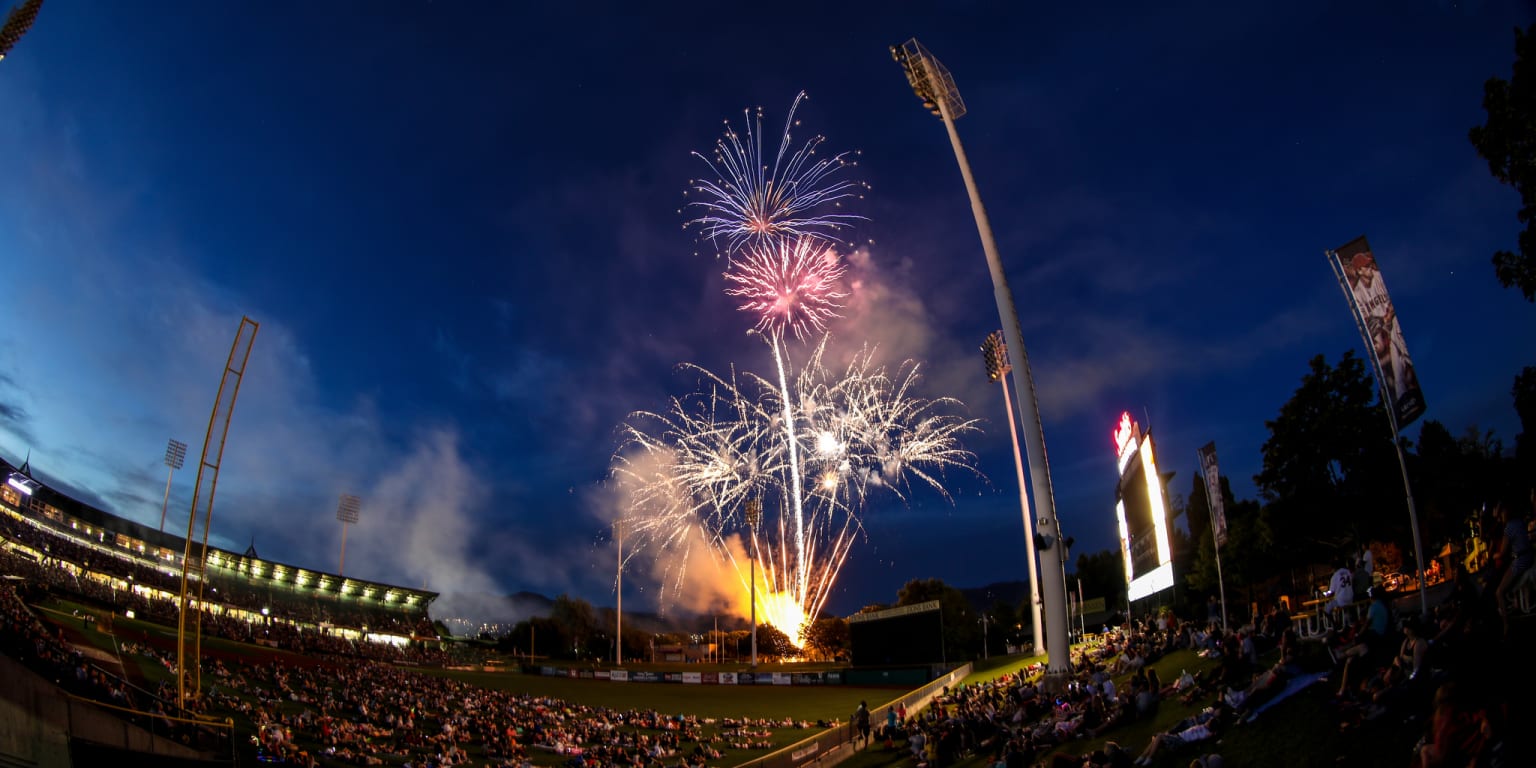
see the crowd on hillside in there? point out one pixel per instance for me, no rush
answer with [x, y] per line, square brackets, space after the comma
[1414, 667]
[1013, 722]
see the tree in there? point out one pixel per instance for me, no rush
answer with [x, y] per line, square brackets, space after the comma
[1454, 477]
[961, 631]
[1508, 142]
[828, 639]
[1330, 475]
[1246, 559]
[1007, 625]
[774, 644]
[1524, 392]
[1103, 575]
[575, 618]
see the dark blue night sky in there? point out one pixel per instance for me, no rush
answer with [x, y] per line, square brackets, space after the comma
[458, 224]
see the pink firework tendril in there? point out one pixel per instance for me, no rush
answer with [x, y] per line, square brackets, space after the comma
[790, 285]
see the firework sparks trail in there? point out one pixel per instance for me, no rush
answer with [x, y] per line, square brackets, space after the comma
[754, 199]
[690, 470]
[791, 285]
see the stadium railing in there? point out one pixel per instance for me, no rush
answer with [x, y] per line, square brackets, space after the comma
[826, 748]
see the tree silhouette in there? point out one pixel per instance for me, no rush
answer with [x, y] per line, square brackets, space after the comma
[1330, 475]
[1508, 142]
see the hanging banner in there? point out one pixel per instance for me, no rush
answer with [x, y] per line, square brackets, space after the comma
[1218, 503]
[1383, 334]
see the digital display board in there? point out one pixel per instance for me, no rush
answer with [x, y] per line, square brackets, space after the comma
[1142, 513]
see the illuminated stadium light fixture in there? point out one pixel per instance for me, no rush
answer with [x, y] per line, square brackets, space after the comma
[934, 85]
[175, 458]
[17, 22]
[995, 356]
[22, 483]
[347, 512]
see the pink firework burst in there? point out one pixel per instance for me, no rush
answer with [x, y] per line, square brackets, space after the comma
[789, 284]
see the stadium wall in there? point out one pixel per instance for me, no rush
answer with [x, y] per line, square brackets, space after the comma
[38, 722]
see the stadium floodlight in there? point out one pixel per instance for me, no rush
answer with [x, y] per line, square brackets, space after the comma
[22, 483]
[995, 355]
[175, 458]
[932, 83]
[347, 512]
[754, 514]
[618, 611]
[17, 22]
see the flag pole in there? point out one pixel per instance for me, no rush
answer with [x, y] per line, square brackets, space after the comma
[1210, 508]
[1391, 406]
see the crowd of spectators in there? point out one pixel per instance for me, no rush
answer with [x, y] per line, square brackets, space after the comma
[72, 568]
[1013, 723]
[366, 713]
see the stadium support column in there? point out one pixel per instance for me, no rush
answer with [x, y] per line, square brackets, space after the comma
[934, 85]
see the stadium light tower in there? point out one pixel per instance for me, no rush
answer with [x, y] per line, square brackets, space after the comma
[346, 511]
[754, 514]
[995, 352]
[17, 22]
[934, 85]
[22, 480]
[175, 457]
[618, 611]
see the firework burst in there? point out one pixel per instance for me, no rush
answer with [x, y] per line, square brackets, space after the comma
[791, 285]
[754, 198]
[688, 471]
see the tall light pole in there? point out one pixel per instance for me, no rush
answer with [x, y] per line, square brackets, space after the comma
[175, 458]
[995, 352]
[986, 651]
[754, 514]
[347, 511]
[618, 612]
[933, 84]
[17, 22]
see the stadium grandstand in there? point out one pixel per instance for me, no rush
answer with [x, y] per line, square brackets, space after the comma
[86, 553]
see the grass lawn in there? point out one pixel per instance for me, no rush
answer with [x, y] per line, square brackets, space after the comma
[801, 702]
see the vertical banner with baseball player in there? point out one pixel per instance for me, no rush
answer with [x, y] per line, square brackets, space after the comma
[1355, 267]
[1383, 334]
[1217, 505]
[1212, 477]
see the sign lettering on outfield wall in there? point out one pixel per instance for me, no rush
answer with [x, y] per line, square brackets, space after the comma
[692, 678]
[727, 678]
[619, 675]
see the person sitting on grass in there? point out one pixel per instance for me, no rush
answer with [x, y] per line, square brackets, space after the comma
[1203, 725]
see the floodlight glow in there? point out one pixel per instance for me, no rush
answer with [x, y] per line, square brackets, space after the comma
[23, 483]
